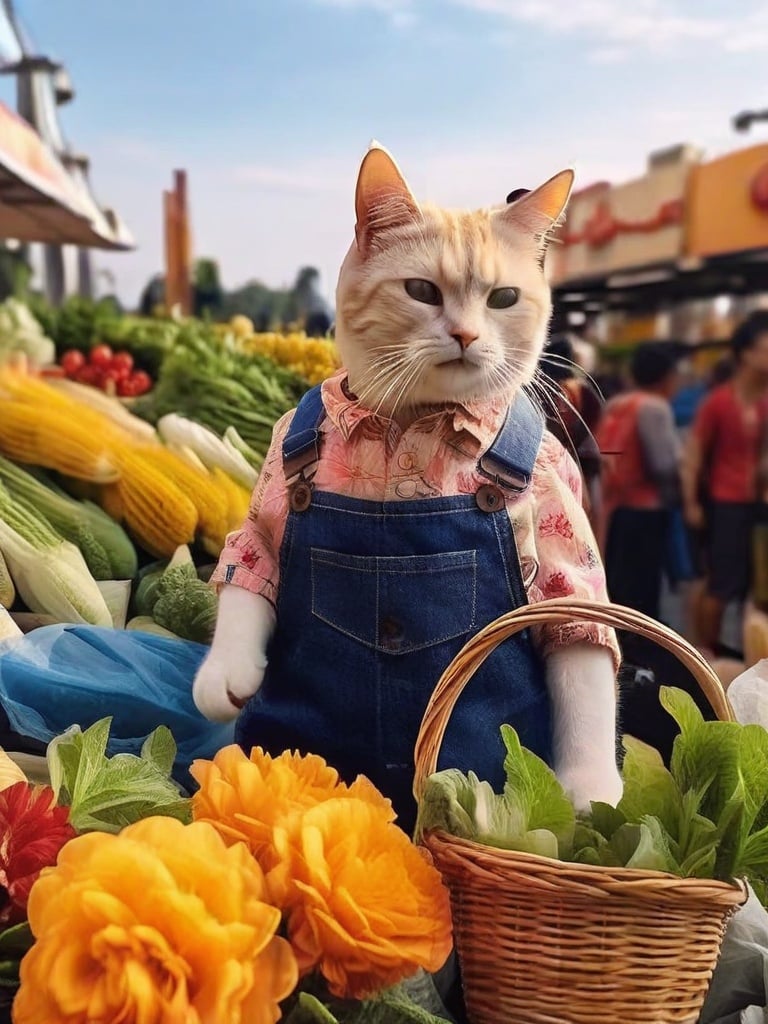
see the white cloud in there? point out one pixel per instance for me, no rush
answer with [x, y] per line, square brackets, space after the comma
[614, 27]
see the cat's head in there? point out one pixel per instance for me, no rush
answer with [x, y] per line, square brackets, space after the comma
[435, 306]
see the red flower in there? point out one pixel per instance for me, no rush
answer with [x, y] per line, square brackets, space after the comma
[32, 831]
[556, 524]
[558, 585]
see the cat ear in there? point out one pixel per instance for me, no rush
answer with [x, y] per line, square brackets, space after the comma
[544, 206]
[382, 197]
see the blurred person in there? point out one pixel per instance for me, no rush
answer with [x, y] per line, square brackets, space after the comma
[641, 478]
[720, 477]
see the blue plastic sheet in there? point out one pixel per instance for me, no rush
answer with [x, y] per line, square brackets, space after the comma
[59, 676]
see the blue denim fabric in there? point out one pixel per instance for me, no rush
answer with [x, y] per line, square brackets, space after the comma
[375, 601]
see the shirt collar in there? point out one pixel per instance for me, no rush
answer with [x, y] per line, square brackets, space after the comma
[482, 420]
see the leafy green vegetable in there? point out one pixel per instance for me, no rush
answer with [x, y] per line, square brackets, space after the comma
[106, 794]
[706, 816]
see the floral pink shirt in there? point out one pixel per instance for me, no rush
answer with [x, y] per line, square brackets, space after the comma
[369, 457]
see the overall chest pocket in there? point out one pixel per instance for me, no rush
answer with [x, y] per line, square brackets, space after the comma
[395, 605]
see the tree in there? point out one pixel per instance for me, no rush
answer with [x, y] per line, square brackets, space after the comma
[208, 295]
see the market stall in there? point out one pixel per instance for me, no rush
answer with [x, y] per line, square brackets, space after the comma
[39, 199]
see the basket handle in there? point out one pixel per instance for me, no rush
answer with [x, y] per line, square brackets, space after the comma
[561, 609]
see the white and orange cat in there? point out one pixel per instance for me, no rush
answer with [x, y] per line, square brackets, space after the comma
[408, 502]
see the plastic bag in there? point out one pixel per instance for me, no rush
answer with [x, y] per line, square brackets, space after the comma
[59, 676]
[738, 993]
[748, 694]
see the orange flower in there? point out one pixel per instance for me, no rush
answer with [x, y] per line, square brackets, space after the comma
[163, 924]
[246, 798]
[364, 904]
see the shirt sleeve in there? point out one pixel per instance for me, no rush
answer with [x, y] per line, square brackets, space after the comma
[251, 555]
[566, 551]
[661, 448]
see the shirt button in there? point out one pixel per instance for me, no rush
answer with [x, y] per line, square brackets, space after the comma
[405, 462]
[406, 489]
[489, 498]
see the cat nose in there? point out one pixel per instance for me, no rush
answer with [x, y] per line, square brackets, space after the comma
[465, 337]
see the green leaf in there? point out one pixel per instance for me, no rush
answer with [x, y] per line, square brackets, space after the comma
[16, 941]
[653, 852]
[448, 804]
[731, 833]
[649, 788]
[534, 789]
[753, 760]
[703, 752]
[309, 1010]
[160, 749]
[606, 819]
[106, 794]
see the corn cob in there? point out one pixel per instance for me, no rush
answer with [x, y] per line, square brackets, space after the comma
[111, 500]
[238, 498]
[155, 510]
[49, 437]
[111, 408]
[211, 504]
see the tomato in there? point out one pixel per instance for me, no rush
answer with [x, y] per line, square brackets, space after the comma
[126, 388]
[72, 361]
[101, 356]
[88, 375]
[122, 364]
[141, 381]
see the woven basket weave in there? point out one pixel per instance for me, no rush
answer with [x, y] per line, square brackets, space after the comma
[541, 941]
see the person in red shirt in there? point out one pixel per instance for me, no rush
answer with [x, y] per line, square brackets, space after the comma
[638, 443]
[720, 477]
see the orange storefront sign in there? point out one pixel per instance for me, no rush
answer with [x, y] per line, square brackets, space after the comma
[727, 204]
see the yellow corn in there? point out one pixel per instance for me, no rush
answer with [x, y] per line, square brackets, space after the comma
[238, 498]
[155, 509]
[209, 500]
[111, 500]
[159, 515]
[51, 437]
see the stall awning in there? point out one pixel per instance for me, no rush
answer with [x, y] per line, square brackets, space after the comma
[40, 201]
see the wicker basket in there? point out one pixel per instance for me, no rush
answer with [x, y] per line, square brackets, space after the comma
[545, 942]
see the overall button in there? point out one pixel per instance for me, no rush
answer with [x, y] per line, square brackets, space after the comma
[301, 496]
[489, 498]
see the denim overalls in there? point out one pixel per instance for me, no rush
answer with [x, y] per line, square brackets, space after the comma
[375, 600]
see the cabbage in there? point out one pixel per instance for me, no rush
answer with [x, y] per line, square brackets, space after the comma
[20, 332]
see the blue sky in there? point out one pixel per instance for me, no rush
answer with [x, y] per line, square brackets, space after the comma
[270, 104]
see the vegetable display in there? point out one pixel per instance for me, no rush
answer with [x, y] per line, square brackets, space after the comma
[706, 816]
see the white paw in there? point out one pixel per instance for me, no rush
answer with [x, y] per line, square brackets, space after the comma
[223, 685]
[584, 785]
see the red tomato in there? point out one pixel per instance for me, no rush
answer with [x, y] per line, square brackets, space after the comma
[101, 356]
[141, 381]
[88, 375]
[122, 363]
[72, 361]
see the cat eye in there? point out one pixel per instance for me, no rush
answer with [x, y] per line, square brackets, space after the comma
[503, 298]
[424, 291]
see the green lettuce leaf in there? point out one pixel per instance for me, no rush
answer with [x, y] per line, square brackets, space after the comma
[534, 789]
[106, 794]
[649, 788]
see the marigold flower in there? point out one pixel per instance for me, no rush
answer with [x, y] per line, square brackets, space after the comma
[365, 906]
[246, 798]
[163, 924]
[32, 831]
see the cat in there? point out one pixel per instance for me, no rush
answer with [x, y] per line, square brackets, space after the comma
[410, 501]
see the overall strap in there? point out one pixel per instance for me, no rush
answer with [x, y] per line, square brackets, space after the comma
[301, 445]
[510, 459]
